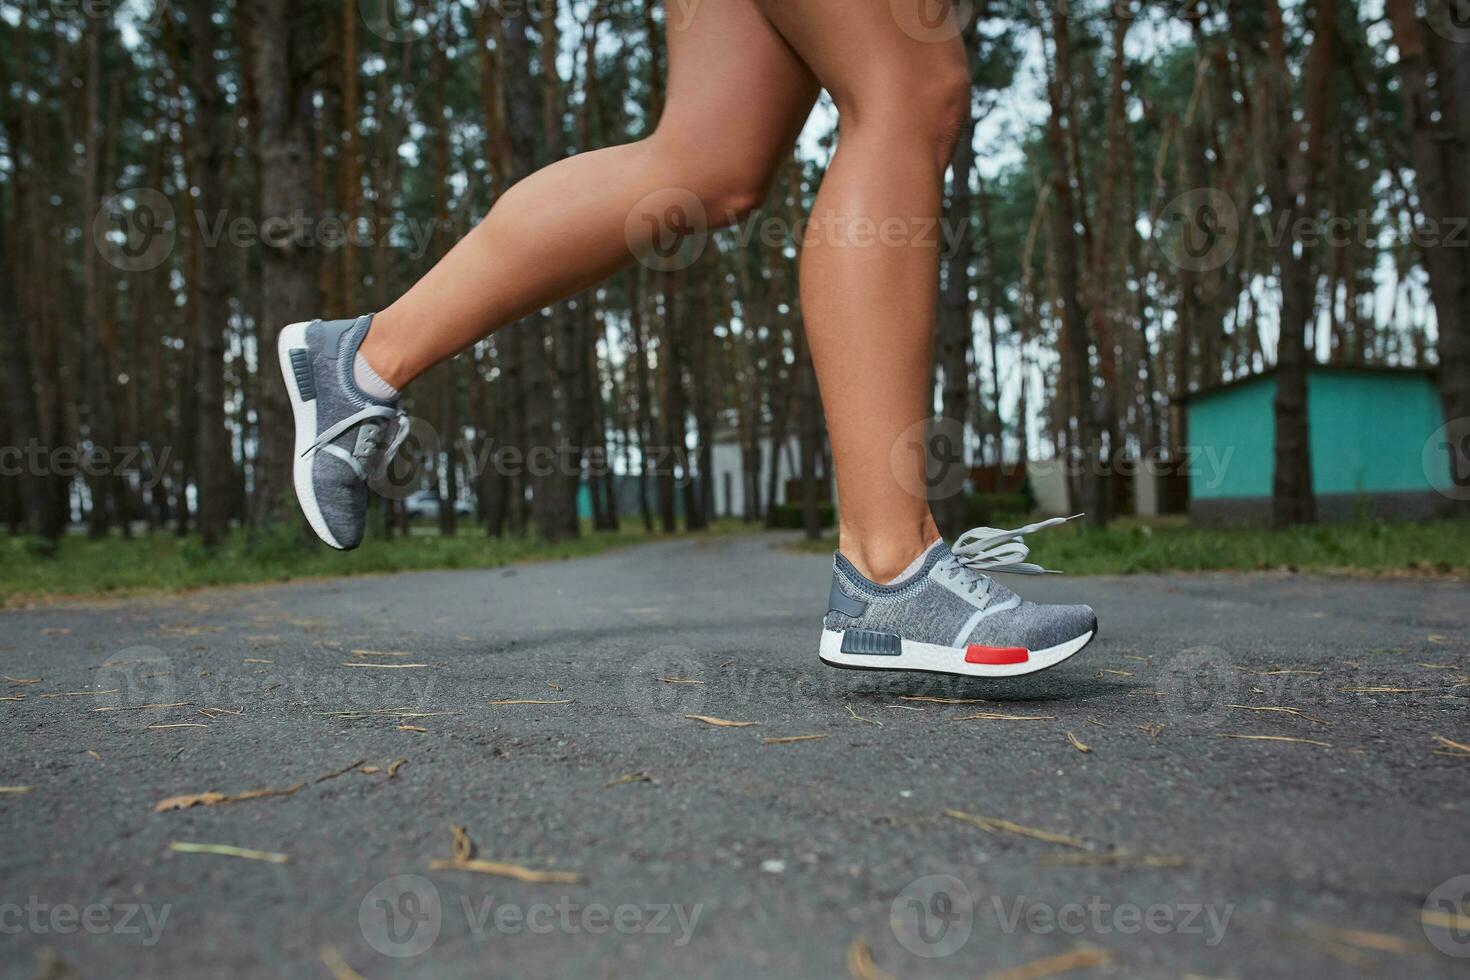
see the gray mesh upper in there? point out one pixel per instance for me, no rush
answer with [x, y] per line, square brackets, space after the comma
[920, 608]
[340, 493]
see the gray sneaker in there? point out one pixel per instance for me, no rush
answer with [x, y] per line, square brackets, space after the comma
[339, 429]
[951, 616]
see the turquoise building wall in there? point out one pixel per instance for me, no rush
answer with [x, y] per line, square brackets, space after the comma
[1368, 432]
[1233, 433]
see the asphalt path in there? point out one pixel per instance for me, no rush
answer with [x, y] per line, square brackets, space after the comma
[1125, 814]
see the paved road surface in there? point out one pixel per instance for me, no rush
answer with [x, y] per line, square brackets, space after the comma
[1176, 851]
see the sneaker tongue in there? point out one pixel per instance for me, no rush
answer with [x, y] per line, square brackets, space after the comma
[997, 592]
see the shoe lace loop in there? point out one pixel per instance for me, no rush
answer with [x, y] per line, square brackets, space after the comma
[367, 444]
[988, 549]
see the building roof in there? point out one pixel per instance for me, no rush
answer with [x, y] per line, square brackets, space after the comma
[1384, 369]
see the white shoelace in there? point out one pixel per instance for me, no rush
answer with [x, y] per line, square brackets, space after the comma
[367, 444]
[988, 549]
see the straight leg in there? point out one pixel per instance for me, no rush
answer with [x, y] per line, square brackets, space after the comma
[870, 260]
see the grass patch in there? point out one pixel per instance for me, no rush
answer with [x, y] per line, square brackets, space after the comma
[164, 563]
[1138, 545]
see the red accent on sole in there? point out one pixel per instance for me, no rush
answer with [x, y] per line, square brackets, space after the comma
[976, 654]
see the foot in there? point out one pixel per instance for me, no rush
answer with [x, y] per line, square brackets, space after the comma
[339, 428]
[951, 616]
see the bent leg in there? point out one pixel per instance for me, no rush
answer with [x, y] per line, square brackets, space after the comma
[738, 96]
[870, 259]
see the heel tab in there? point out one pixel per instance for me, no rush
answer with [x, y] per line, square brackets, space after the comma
[839, 601]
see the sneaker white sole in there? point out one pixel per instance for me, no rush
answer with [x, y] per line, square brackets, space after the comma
[292, 338]
[935, 658]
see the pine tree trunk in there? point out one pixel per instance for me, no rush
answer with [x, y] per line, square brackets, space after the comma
[1077, 354]
[1435, 79]
[350, 189]
[644, 391]
[990, 291]
[696, 328]
[209, 146]
[444, 375]
[1292, 497]
[606, 517]
[1107, 275]
[97, 387]
[671, 402]
[809, 437]
[274, 43]
[42, 519]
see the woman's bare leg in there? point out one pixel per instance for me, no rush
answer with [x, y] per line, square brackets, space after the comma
[870, 261]
[737, 98]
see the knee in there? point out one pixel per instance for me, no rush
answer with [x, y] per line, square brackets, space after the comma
[729, 190]
[949, 111]
[731, 199]
[926, 114]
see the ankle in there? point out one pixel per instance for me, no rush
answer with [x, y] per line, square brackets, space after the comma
[370, 382]
[882, 557]
[381, 357]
